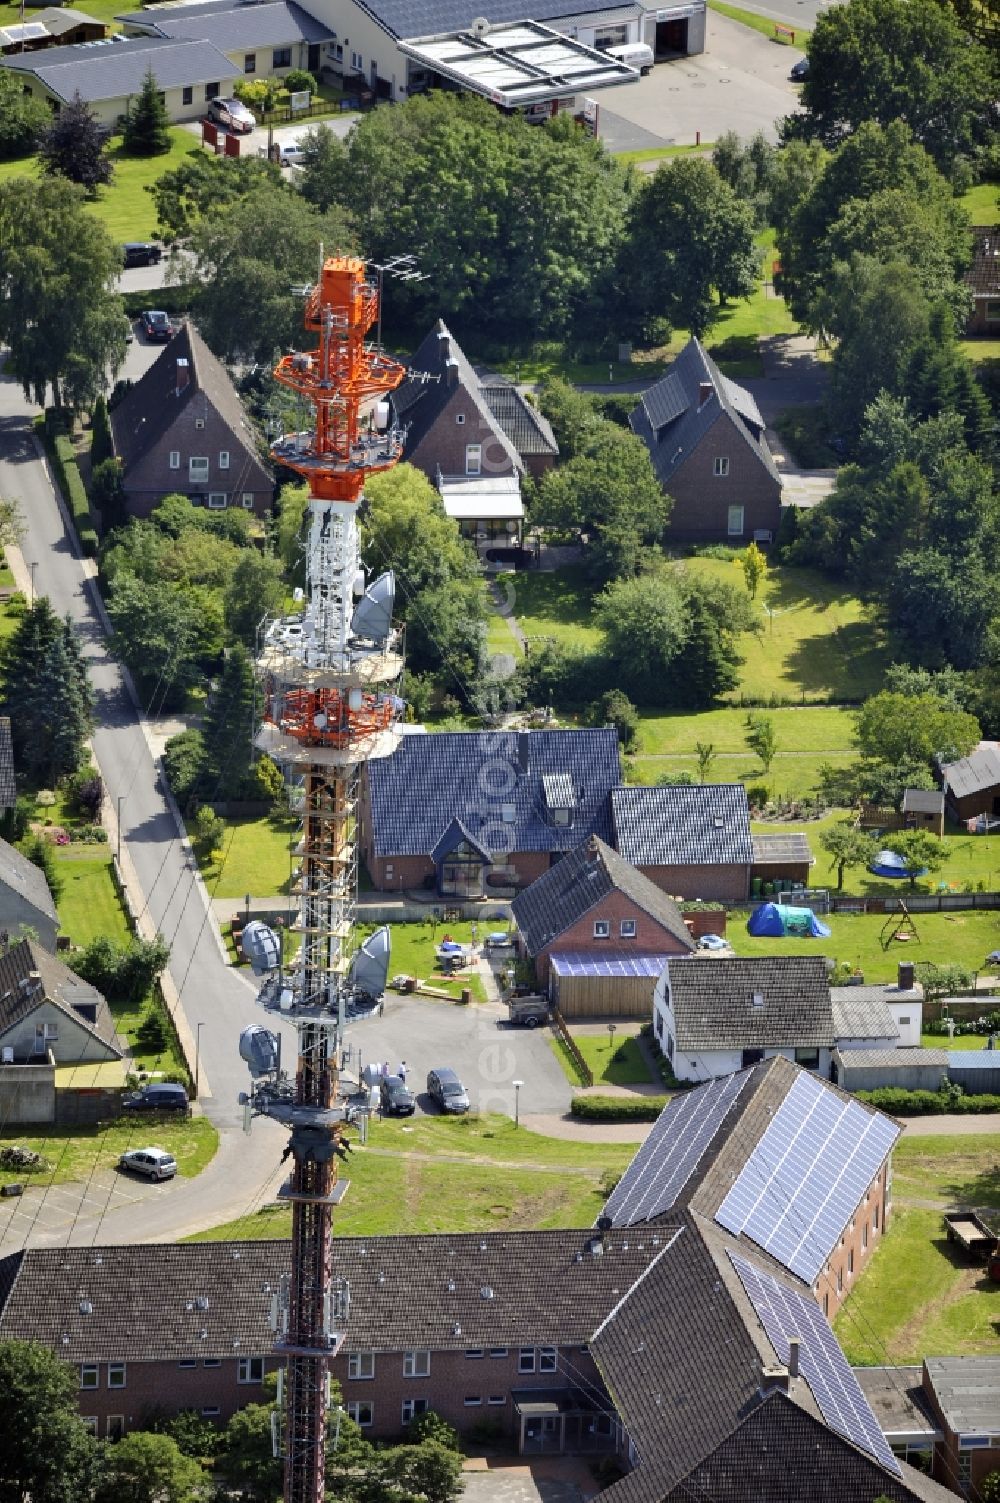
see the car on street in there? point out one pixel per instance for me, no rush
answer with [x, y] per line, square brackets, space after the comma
[799, 71]
[447, 1091]
[292, 154]
[141, 253]
[161, 1096]
[156, 325]
[233, 114]
[394, 1099]
[154, 1163]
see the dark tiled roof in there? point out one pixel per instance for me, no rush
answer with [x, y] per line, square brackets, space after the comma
[148, 410]
[453, 836]
[8, 788]
[116, 69]
[713, 1003]
[673, 417]
[973, 774]
[582, 879]
[983, 276]
[781, 850]
[56, 983]
[144, 1298]
[26, 879]
[428, 18]
[680, 825]
[230, 26]
[478, 776]
[419, 403]
[923, 801]
[524, 425]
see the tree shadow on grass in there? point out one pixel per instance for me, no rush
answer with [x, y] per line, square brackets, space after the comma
[846, 665]
[566, 597]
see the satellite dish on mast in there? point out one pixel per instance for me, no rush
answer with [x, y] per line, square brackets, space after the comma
[373, 615]
[370, 965]
[261, 947]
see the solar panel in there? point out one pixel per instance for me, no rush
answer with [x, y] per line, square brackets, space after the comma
[666, 1161]
[785, 1313]
[802, 1182]
[572, 963]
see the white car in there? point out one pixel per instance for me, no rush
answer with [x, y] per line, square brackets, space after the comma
[233, 114]
[155, 1163]
[293, 154]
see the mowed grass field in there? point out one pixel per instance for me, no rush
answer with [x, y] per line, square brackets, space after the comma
[75, 1153]
[958, 938]
[88, 905]
[255, 857]
[920, 1296]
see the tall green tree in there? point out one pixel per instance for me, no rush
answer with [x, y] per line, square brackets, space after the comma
[324, 166]
[46, 1455]
[761, 737]
[908, 60]
[147, 1468]
[203, 186]
[919, 849]
[159, 635]
[689, 247]
[916, 728]
[47, 694]
[230, 724]
[74, 146]
[147, 124]
[60, 314]
[848, 845]
[255, 590]
[101, 444]
[23, 117]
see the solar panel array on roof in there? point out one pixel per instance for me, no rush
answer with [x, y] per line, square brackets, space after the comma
[580, 963]
[785, 1313]
[799, 1187]
[666, 1161]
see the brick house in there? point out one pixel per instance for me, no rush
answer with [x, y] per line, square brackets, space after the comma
[676, 1334]
[475, 813]
[182, 428]
[586, 917]
[963, 1394]
[983, 280]
[972, 784]
[692, 841]
[705, 436]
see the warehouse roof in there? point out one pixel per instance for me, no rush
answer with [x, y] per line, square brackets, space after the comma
[117, 68]
[683, 825]
[430, 18]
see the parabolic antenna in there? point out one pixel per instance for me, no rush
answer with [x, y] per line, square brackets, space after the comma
[370, 965]
[261, 1050]
[373, 615]
[261, 947]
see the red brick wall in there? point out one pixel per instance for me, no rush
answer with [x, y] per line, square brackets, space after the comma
[702, 499]
[650, 937]
[706, 921]
[396, 873]
[151, 1386]
[729, 882]
[837, 1279]
[443, 445]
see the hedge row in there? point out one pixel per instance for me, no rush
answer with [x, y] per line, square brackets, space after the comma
[61, 454]
[900, 1103]
[618, 1108]
[173, 300]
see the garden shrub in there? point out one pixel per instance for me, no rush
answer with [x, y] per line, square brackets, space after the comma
[618, 1108]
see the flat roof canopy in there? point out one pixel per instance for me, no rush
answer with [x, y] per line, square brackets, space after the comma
[518, 65]
[488, 499]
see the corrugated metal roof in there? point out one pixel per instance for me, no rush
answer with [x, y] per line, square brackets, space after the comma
[968, 1390]
[576, 963]
[679, 825]
[900, 1059]
[428, 18]
[116, 68]
[923, 801]
[974, 1059]
[973, 774]
[862, 1018]
[775, 850]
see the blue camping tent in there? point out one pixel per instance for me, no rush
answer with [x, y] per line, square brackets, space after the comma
[888, 864]
[776, 919]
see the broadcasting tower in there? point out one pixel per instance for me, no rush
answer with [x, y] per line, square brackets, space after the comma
[328, 676]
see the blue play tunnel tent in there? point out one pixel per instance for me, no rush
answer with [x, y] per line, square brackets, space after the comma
[777, 920]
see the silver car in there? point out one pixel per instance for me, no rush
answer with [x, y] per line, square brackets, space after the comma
[445, 1088]
[154, 1163]
[233, 114]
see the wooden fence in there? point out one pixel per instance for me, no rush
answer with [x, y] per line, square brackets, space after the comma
[559, 1023]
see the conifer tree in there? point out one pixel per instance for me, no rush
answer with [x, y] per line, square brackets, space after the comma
[147, 126]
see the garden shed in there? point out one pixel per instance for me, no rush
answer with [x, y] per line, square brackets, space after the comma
[605, 986]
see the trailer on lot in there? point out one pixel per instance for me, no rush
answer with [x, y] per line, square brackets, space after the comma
[970, 1232]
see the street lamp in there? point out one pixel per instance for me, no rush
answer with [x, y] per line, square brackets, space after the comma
[121, 796]
[197, 1057]
[33, 566]
[517, 1084]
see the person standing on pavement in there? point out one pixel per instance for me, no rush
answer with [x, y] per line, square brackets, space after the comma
[402, 1070]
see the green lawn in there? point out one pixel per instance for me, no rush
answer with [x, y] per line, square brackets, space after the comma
[760, 23]
[981, 349]
[557, 606]
[436, 1175]
[255, 858]
[656, 153]
[125, 207]
[74, 1153]
[89, 906]
[413, 947]
[617, 1061]
[961, 938]
[920, 1296]
[982, 203]
[960, 1041]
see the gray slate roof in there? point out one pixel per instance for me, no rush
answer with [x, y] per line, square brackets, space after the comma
[524, 425]
[419, 403]
[116, 69]
[430, 780]
[672, 418]
[57, 20]
[231, 26]
[150, 407]
[681, 825]
[983, 276]
[861, 1017]
[577, 883]
[26, 879]
[968, 1391]
[973, 774]
[713, 1003]
[427, 18]
[923, 801]
[900, 1059]
[884, 993]
[21, 994]
[781, 850]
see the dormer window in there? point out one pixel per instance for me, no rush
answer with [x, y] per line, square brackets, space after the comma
[559, 798]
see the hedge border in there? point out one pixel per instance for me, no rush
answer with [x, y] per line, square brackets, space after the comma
[618, 1108]
[901, 1103]
[59, 448]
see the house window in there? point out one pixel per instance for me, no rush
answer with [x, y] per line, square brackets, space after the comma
[217, 500]
[602, 928]
[187, 94]
[850, 1262]
[670, 1046]
[362, 1412]
[413, 1407]
[473, 459]
[250, 63]
[736, 521]
[548, 1361]
[473, 1353]
[212, 91]
[175, 459]
[89, 1375]
[965, 1469]
[188, 1362]
[473, 1400]
[993, 311]
[826, 1304]
[610, 36]
[357, 62]
[248, 500]
[223, 459]
[251, 1370]
[864, 1237]
[361, 1365]
[212, 1362]
[875, 1217]
[416, 1364]
[281, 57]
[497, 1398]
[198, 469]
[115, 1427]
[89, 1423]
[199, 422]
[460, 418]
[210, 1411]
[116, 1375]
[840, 1280]
[807, 1058]
[720, 467]
[627, 929]
[526, 1359]
[658, 1025]
[498, 1351]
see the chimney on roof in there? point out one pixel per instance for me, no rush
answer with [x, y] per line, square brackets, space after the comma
[444, 344]
[705, 392]
[904, 975]
[793, 1356]
[451, 371]
[772, 1378]
[592, 848]
[522, 751]
[183, 375]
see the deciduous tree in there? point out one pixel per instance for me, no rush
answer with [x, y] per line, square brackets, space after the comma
[848, 845]
[147, 1468]
[23, 117]
[918, 849]
[761, 737]
[899, 728]
[46, 1454]
[255, 590]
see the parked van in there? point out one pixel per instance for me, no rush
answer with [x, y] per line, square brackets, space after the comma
[635, 55]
